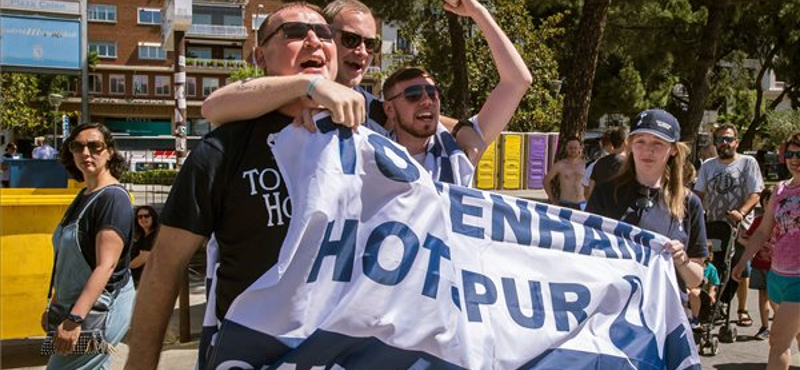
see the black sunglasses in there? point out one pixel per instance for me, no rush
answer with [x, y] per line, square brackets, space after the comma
[144, 215]
[352, 40]
[94, 146]
[724, 139]
[414, 93]
[788, 154]
[299, 31]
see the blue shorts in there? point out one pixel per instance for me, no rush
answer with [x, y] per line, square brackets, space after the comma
[580, 206]
[781, 288]
[758, 279]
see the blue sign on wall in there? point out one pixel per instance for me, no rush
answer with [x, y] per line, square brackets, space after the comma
[40, 42]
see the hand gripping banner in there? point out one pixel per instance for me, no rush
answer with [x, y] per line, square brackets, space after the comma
[383, 268]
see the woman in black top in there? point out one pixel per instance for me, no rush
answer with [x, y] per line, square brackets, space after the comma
[91, 279]
[146, 230]
[649, 192]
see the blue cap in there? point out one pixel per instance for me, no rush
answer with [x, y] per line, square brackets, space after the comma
[659, 123]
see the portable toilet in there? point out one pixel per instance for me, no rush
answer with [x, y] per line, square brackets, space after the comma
[552, 149]
[487, 168]
[537, 160]
[512, 160]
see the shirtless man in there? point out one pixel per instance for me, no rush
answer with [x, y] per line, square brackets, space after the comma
[569, 172]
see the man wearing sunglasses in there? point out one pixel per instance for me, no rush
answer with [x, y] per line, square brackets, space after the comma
[730, 186]
[413, 103]
[232, 187]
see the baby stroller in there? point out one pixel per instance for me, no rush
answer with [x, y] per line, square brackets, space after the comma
[722, 236]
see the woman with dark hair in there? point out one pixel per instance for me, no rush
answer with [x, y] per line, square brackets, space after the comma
[91, 280]
[781, 224]
[146, 230]
[649, 192]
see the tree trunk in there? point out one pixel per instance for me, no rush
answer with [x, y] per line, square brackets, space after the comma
[459, 91]
[580, 79]
[699, 83]
[750, 134]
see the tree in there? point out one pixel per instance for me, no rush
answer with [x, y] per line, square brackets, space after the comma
[246, 72]
[580, 78]
[780, 125]
[21, 105]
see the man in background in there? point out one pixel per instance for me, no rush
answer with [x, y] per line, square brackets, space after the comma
[43, 150]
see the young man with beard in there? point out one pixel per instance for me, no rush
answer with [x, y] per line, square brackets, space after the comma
[231, 186]
[569, 172]
[730, 186]
[357, 41]
[412, 102]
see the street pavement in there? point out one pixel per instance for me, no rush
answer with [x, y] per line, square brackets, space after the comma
[745, 354]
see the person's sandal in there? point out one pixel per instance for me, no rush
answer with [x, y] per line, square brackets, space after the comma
[744, 318]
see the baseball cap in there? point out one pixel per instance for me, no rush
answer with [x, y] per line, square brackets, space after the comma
[659, 123]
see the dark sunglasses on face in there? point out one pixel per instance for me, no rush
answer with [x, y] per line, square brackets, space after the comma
[144, 216]
[724, 139]
[353, 40]
[299, 31]
[788, 154]
[414, 93]
[94, 146]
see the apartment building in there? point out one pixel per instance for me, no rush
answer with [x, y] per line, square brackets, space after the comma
[131, 88]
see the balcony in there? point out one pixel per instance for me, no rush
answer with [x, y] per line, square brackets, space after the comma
[218, 31]
[214, 65]
[215, 2]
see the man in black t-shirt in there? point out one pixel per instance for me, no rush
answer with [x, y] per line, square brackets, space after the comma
[608, 165]
[231, 186]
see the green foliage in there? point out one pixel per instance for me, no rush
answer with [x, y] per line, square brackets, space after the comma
[22, 108]
[540, 109]
[248, 71]
[780, 125]
[152, 177]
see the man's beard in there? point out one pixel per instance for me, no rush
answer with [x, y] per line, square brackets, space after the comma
[419, 133]
[726, 153]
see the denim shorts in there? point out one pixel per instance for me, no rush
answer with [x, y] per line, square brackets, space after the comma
[783, 288]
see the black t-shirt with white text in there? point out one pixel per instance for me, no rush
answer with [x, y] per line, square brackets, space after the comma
[230, 185]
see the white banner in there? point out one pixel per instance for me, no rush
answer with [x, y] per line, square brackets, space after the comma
[385, 269]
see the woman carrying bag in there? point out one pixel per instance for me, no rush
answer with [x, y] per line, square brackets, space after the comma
[92, 293]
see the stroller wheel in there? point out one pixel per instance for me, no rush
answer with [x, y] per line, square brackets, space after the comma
[712, 346]
[727, 334]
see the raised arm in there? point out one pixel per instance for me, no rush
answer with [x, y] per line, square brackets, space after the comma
[515, 79]
[158, 289]
[251, 98]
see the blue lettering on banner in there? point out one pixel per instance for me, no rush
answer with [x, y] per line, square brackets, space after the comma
[521, 226]
[343, 251]
[347, 146]
[536, 320]
[548, 226]
[439, 250]
[458, 209]
[387, 165]
[410, 243]
[561, 306]
[473, 299]
[594, 240]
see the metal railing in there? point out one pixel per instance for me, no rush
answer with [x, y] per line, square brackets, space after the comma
[227, 64]
[218, 31]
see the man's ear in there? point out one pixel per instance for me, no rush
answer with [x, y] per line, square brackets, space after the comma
[261, 58]
[388, 108]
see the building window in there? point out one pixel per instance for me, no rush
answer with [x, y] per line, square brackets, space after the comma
[198, 52]
[103, 13]
[95, 83]
[162, 86]
[191, 87]
[149, 16]
[209, 85]
[233, 54]
[141, 85]
[116, 84]
[147, 51]
[104, 49]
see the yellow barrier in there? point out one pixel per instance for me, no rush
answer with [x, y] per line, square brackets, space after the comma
[512, 160]
[485, 173]
[28, 218]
